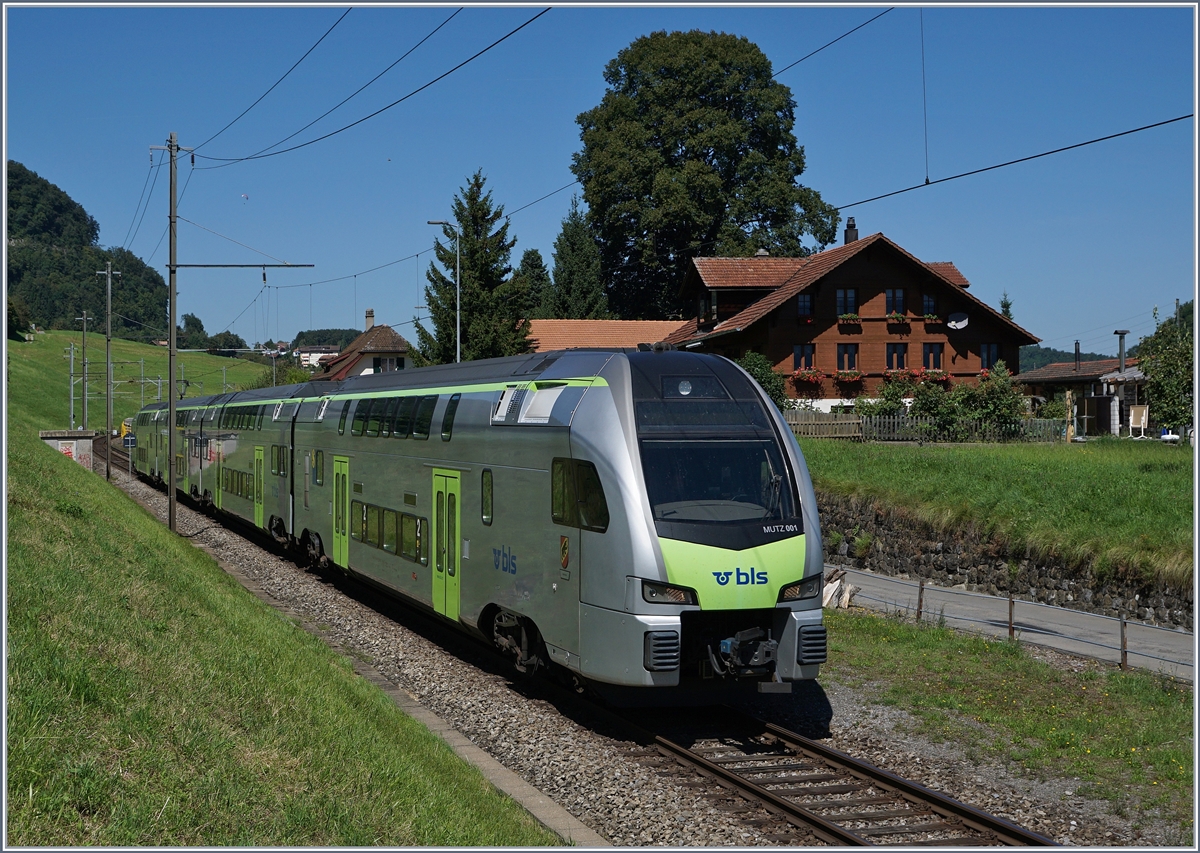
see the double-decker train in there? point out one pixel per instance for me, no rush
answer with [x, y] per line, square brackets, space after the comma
[639, 518]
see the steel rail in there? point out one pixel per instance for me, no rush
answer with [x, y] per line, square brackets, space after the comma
[1009, 833]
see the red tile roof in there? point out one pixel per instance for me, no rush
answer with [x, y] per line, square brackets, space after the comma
[762, 272]
[1064, 371]
[813, 268]
[375, 339]
[545, 335]
[948, 271]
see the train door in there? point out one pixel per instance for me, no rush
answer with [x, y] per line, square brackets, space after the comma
[258, 485]
[341, 510]
[447, 544]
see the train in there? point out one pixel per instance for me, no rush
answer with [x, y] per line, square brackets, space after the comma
[630, 519]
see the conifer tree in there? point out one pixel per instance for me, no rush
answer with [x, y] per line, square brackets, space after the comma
[535, 278]
[578, 292]
[493, 304]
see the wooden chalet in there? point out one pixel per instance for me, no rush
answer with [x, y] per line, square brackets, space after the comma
[840, 321]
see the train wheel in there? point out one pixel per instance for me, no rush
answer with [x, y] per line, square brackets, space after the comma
[312, 546]
[519, 639]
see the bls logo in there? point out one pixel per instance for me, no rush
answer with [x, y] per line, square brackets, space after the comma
[741, 578]
[505, 560]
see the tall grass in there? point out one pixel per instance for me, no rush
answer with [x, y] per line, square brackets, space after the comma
[1126, 736]
[1114, 505]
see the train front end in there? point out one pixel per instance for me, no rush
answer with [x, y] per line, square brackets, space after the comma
[728, 591]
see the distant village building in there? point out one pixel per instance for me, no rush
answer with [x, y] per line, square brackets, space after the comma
[378, 349]
[311, 356]
[1103, 396]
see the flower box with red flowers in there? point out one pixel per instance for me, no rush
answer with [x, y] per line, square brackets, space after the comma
[848, 376]
[849, 318]
[896, 318]
[808, 374]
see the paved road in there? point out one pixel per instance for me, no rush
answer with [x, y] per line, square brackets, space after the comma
[1073, 631]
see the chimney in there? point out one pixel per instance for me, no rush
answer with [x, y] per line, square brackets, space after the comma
[1121, 333]
[370, 319]
[762, 253]
[851, 231]
[1077, 356]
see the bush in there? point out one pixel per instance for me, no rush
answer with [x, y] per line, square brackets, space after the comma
[764, 374]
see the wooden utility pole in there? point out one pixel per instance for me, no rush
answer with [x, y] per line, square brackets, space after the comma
[108, 273]
[84, 318]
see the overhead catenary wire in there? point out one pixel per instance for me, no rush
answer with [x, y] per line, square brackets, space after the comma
[1019, 160]
[359, 89]
[151, 173]
[444, 75]
[830, 44]
[276, 83]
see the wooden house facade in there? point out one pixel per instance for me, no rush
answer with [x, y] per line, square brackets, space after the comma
[840, 322]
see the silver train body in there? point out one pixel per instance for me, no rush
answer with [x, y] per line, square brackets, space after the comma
[639, 518]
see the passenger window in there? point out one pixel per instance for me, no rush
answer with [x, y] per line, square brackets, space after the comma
[562, 494]
[448, 417]
[452, 543]
[385, 424]
[424, 417]
[319, 468]
[360, 417]
[262, 410]
[423, 540]
[283, 460]
[274, 458]
[409, 547]
[486, 489]
[342, 420]
[402, 424]
[356, 519]
[373, 416]
[440, 515]
[389, 530]
[371, 536]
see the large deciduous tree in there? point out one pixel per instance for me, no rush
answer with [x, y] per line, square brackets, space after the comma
[691, 152]
[493, 304]
[578, 292]
[1168, 360]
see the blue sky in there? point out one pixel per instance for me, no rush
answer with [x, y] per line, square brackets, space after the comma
[1084, 242]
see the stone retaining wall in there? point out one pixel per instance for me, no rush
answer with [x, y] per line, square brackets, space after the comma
[904, 547]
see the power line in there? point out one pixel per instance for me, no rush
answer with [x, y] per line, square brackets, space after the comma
[365, 85]
[139, 203]
[230, 239]
[1020, 160]
[276, 83]
[543, 198]
[382, 109]
[835, 41]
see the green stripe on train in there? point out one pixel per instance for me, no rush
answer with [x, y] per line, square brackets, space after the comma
[729, 580]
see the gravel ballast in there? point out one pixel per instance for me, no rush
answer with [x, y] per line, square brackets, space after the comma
[597, 778]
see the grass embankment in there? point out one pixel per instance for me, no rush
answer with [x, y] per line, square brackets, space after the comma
[1126, 736]
[1110, 504]
[153, 701]
[46, 362]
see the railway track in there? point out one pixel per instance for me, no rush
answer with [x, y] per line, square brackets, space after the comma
[811, 789]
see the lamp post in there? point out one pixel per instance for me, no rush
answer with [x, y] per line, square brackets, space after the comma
[457, 286]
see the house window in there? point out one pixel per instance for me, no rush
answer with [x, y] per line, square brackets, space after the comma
[932, 356]
[989, 354]
[803, 355]
[804, 305]
[847, 356]
[897, 355]
[895, 300]
[929, 304]
[383, 364]
[847, 301]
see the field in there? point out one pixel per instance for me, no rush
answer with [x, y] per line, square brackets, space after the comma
[46, 364]
[1113, 504]
[153, 701]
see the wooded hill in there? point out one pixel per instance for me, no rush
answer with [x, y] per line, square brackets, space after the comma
[53, 256]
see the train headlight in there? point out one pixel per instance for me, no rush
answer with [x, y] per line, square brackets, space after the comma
[800, 590]
[665, 593]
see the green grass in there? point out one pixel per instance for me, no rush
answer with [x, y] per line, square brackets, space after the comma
[1114, 505]
[153, 701]
[1127, 736]
[43, 369]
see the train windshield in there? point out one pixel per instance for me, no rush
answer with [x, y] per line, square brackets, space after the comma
[706, 480]
[714, 469]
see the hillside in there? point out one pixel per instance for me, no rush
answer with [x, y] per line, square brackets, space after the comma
[1033, 357]
[53, 257]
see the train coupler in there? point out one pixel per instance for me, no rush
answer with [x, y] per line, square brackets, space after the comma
[747, 653]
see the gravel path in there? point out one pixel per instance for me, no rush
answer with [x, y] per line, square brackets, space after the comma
[595, 777]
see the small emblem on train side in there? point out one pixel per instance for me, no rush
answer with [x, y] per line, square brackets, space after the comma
[564, 550]
[741, 578]
[505, 560]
